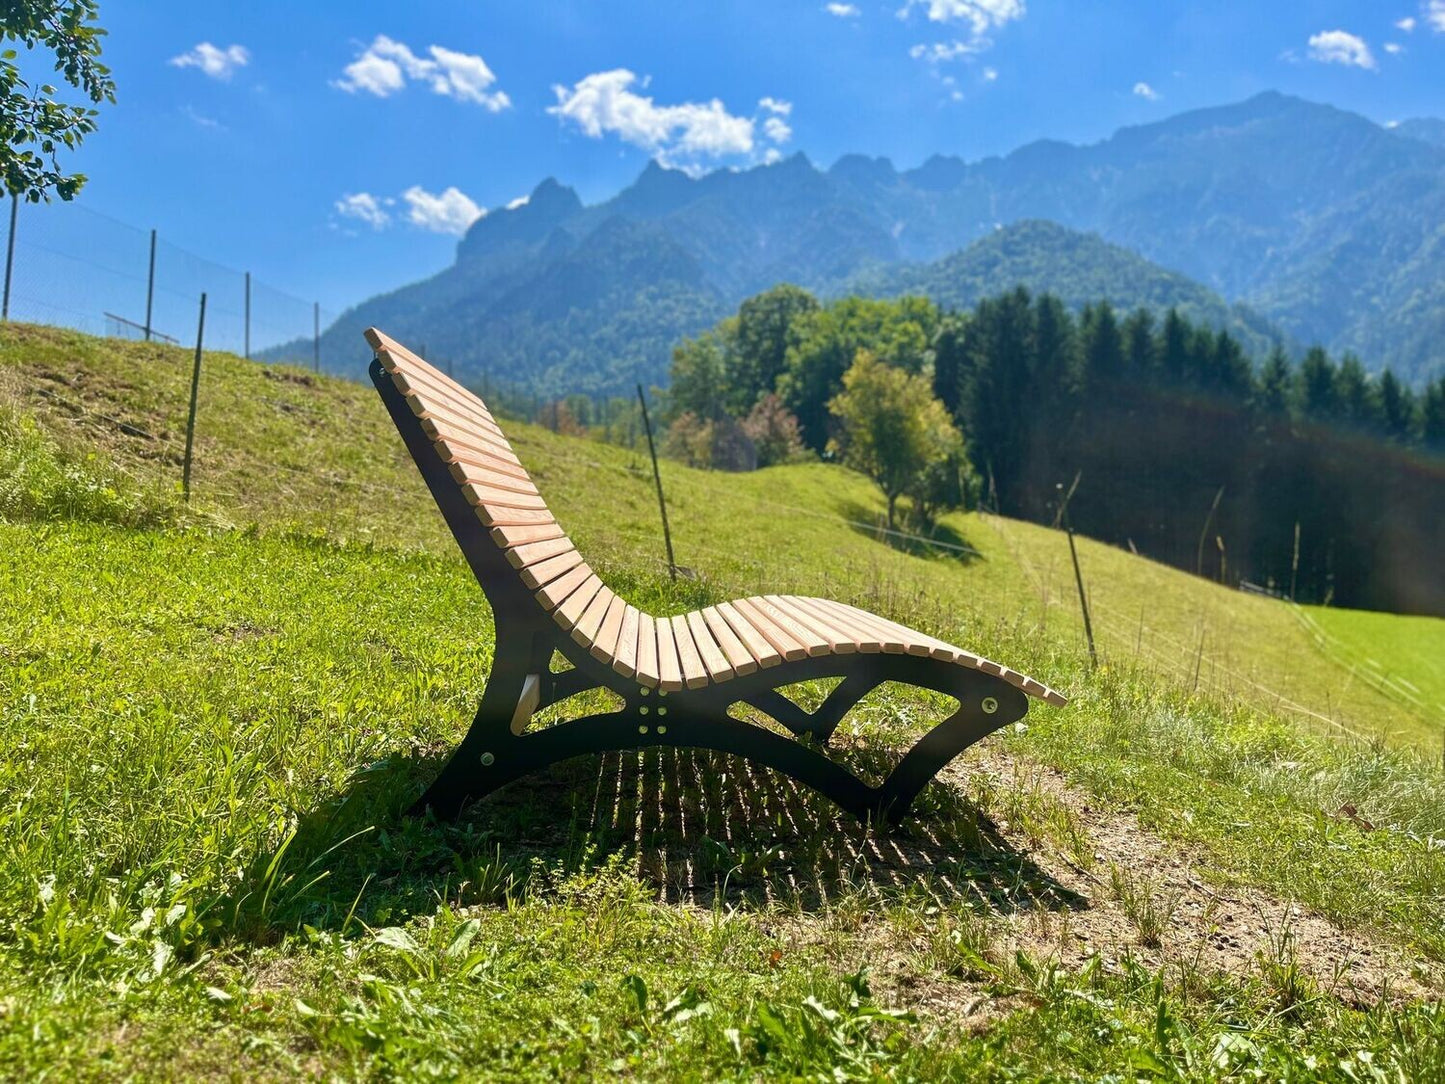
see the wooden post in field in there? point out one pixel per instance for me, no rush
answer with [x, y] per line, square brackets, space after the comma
[191, 419]
[10, 256]
[1294, 563]
[1199, 553]
[316, 333]
[150, 285]
[1063, 517]
[248, 316]
[657, 477]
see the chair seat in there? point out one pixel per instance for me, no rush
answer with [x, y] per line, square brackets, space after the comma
[733, 639]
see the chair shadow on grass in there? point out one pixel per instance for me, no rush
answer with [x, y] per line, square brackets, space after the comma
[940, 540]
[694, 826]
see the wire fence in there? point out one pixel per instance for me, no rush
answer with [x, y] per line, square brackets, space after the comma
[72, 267]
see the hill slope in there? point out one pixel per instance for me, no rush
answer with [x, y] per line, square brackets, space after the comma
[262, 430]
[1325, 223]
[1079, 268]
[211, 734]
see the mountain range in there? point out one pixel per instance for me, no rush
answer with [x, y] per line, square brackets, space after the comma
[1275, 217]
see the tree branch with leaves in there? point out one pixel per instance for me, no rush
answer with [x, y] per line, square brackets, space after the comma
[35, 128]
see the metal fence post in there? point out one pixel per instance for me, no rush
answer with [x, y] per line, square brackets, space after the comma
[248, 316]
[150, 285]
[10, 256]
[191, 420]
[657, 477]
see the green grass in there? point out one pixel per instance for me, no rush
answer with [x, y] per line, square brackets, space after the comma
[1401, 656]
[277, 447]
[212, 726]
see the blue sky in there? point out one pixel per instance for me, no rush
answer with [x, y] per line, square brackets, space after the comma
[335, 149]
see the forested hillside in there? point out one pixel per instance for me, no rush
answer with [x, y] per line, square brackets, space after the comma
[1315, 481]
[1326, 224]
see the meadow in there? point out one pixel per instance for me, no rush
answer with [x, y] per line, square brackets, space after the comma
[1226, 857]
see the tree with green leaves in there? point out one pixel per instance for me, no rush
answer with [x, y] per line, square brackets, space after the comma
[700, 376]
[762, 334]
[892, 427]
[34, 126]
[828, 340]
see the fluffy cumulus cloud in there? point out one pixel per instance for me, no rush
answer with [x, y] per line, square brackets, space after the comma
[1394, 48]
[217, 63]
[843, 11]
[1434, 11]
[386, 66]
[1340, 47]
[451, 211]
[684, 135]
[1407, 24]
[1144, 90]
[974, 19]
[364, 207]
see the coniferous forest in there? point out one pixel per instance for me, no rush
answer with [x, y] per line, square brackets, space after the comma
[1314, 480]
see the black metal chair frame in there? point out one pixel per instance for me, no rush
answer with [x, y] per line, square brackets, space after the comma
[498, 750]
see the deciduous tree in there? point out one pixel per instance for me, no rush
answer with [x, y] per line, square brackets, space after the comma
[892, 427]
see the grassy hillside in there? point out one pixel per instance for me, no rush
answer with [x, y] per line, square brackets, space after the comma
[278, 446]
[214, 715]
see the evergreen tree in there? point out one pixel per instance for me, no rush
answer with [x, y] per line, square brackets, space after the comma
[1272, 395]
[1174, 348]
[1432, 416]
[1397, 408]
[1316, 387]
[1139, 344]
[1103, 349]
[1355, 397]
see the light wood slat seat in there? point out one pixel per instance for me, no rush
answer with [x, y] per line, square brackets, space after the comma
[678, 675]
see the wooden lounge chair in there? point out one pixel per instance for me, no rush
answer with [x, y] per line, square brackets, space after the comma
[677, 676]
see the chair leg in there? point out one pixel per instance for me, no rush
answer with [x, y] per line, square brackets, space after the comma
[976, 717]
[477, 774]
[491, 756]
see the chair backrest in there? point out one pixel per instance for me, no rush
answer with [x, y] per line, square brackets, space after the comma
[469, 442]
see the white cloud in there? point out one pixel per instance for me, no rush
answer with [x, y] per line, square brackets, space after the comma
[604, 103]
[520, 201]
[990, 75]
[200, 120]
[776, 105]
[1434, 12]
[385, 66]
[1340, 47]
[217, 63]
[979, 17]
[1144, 90]
[983, 15]
[940, 51]
[1407, 24]
[843, 11]
[366, 208]
[777, 129]
[451, 211]
[1394, 48]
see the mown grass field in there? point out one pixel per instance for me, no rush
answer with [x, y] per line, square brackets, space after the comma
[1226, 857]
